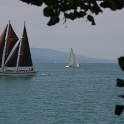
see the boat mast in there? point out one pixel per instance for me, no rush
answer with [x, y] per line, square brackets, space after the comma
[6, 39]
[18, 57]
[19, 52]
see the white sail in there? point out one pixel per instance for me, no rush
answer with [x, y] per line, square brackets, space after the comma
[72, 60]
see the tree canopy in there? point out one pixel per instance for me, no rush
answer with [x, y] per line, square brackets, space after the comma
[73, 9]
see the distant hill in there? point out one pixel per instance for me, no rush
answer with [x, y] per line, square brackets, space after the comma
[43, 55]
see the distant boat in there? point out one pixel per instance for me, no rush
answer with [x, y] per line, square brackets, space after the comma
[72, 60]
[15, 56]
[45, 74]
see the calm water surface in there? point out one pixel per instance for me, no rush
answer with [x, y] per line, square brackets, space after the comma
[85, 95]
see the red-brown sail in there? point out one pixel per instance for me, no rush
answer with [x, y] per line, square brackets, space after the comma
[2, 43]
[25, 55]
[13, 59]
[11, 41]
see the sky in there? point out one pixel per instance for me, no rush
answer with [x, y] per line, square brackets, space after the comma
[104, 40]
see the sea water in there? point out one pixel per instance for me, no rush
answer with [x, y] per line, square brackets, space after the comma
[85, 95]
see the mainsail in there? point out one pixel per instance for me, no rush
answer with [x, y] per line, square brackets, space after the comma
[2, 43]
[72, 60]
[25, 55]
[7, 41]
[11, 40]
[12, 61]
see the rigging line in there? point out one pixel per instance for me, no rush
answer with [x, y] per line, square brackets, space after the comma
[6, 38]
[12, 51]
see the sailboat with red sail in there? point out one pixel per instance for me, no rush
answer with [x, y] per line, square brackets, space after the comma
[15, 55]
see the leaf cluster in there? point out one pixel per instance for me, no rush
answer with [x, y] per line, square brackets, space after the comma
[120, 83]
[73, 9]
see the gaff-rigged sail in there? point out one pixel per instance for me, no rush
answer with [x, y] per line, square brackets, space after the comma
[7, 41]
[2, 43]
[11, 41]
[12, 61]
[25, 54]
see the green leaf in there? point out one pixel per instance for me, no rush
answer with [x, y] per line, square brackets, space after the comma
[119, 109]
[48, 12]
[121, 62]
[120, 82]
[112, 4]
[50, 2]
[95, 8]
[27, 1]
[34, 2]
[91, 19]
[79, 14]
[70, 16]
[53, 20]
[84, 7]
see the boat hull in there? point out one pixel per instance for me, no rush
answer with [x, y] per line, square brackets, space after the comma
[18, 73]
[67, 66]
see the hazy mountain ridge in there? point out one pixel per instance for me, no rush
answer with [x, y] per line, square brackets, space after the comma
[44, 55]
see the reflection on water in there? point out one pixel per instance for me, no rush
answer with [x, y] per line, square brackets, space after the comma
[13, 78]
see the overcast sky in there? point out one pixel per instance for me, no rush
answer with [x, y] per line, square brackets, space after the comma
[104, 40]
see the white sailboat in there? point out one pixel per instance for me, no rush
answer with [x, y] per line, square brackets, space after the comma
[15, 56]
[72, 60]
